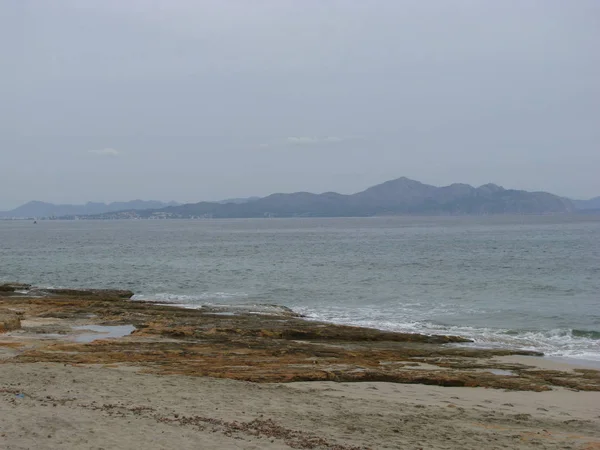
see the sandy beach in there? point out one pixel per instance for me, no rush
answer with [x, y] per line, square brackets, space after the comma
[58, 393]
[50, 406]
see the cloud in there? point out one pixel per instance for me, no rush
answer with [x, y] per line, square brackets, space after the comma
[105, 152]
[310, 140]
[299, 141]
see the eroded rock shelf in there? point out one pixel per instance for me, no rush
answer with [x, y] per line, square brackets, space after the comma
[280, 346]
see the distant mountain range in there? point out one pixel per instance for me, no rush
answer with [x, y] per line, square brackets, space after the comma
[402, 196]
[239, 201]
[593, 203]
[40, 210]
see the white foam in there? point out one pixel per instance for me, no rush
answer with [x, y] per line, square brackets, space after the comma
[407, 318]
[190, 300]
[554, 343]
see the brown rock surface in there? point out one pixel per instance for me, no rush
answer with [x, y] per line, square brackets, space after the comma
[104, 293]
[11, 287]
[9, 322]
[260, 347]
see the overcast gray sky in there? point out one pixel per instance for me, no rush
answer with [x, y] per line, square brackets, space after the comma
[190, 100]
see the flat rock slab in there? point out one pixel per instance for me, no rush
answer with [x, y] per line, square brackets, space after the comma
[106, 293]
[263, 347]
[9, 322]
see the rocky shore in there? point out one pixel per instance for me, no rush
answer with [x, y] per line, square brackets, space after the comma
[106, 331]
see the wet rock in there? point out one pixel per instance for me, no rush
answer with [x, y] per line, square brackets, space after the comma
[12, 287]
[105, 293]
[273, 347]
[9, 322]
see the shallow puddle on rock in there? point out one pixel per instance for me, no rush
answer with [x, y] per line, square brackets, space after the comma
[102, 332]
[507, 373]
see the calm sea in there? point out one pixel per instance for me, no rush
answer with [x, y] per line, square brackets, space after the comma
[519, 282]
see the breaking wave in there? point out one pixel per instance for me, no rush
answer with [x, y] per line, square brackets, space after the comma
[577, 344]
[561, 343]
[191, 300]
[228, 302]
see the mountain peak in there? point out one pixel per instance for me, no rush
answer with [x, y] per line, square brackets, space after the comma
[403, 180]
[398, 191]
[490, 188]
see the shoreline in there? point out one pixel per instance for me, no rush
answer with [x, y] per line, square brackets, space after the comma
[91, 368]
[576, 345]
[26, 291]
[573, 361]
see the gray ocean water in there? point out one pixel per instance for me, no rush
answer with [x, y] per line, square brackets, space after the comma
[521, 282]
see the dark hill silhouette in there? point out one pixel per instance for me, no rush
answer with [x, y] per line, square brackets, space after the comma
[591, 204]
[402, 196]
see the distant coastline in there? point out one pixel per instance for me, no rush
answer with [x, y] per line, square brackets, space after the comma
[399, 197]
